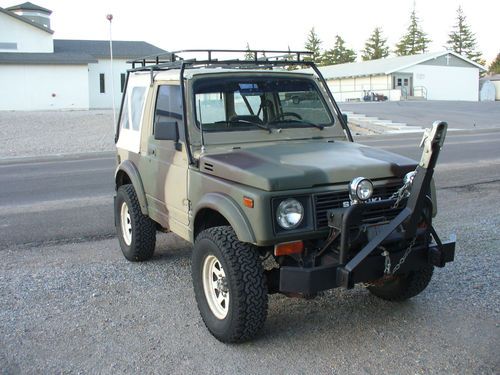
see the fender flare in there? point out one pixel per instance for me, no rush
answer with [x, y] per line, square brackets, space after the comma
[228, 208]
[133, 173]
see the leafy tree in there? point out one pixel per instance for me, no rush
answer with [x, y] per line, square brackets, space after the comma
[415, 41]
[313, 44]
[495, 66]
[249, 55]
[375, 46]
[339, 54]
[462, 39]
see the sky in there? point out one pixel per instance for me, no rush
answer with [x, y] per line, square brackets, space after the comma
[267, 24]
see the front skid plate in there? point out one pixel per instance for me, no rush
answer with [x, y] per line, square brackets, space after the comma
[315, 279]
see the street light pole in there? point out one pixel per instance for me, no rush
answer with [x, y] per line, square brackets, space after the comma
[109, 17]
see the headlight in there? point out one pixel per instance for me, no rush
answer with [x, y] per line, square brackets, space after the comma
[290, 213]
[360, 189]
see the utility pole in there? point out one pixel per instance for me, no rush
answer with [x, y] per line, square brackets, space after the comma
[109, 17]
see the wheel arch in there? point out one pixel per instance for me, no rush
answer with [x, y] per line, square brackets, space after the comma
[127, 173]
[220, 209]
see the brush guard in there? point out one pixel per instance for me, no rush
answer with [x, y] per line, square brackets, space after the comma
[365, 266]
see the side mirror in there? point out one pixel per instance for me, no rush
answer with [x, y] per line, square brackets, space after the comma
[344, 116]
[166, 131]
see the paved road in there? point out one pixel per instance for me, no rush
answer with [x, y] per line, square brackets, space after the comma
[70, 198]
[459, 115]
[63, 199]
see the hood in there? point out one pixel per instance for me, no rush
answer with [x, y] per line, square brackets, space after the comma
[291, 165]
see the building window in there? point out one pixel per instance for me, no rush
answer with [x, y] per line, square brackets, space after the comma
[122, 82]
[102, 88]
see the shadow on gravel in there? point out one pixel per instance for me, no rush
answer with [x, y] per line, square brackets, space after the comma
[170, 248]
[339, 314]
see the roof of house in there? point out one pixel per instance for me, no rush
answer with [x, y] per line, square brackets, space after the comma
[57, 58]
[29, 6]
[100, 48]
[385, 66]
[26, 20]
[493, 77]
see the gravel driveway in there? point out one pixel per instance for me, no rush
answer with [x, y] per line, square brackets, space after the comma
[81, 308]
[55, 132]
[46, 133]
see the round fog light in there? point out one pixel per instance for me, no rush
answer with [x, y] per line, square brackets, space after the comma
[360, 189]
[408, 178]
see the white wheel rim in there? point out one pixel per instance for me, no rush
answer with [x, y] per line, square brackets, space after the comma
[215, 286]
[126, 224]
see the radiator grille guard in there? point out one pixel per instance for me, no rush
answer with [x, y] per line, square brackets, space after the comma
[324, 202]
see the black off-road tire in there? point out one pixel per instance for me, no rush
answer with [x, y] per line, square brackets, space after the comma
[143, 229]
[246, 283]
[403, 287]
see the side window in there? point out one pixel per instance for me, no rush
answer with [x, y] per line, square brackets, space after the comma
[168, 104]
[124, 119]
[137, 105]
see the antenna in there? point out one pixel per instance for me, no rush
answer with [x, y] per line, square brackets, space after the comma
[201, 128]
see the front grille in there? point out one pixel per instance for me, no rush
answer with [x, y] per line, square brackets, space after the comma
[327, 201]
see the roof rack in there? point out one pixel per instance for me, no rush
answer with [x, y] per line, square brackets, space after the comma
[175, 59]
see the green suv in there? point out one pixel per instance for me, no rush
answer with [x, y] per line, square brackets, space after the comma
[272, 191]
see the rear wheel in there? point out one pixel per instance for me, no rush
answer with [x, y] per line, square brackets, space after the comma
[405, 286]
[136, 231]
[229, 285]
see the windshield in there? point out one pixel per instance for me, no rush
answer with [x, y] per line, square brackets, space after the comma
[247, 103]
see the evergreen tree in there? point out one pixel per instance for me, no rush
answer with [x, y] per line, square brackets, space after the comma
[415, 41]
[313, 44]
[249, 55]
[339, 54]
[462, 39]
[375, 46]
[495, 66]
[291, 57]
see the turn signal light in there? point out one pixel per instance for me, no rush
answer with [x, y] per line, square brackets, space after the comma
[248, 202]
[287, 248]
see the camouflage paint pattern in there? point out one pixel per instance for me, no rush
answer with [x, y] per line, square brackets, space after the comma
[258, 165]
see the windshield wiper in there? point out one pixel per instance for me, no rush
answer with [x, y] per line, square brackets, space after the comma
[320, 127]
[261, 126]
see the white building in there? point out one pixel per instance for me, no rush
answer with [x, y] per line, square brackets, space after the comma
[38, 72]
[442, 75]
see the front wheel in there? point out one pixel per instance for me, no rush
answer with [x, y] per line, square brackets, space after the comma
[405, 286]
[229, 285]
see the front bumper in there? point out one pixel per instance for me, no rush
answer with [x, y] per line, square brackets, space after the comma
[314, 279]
